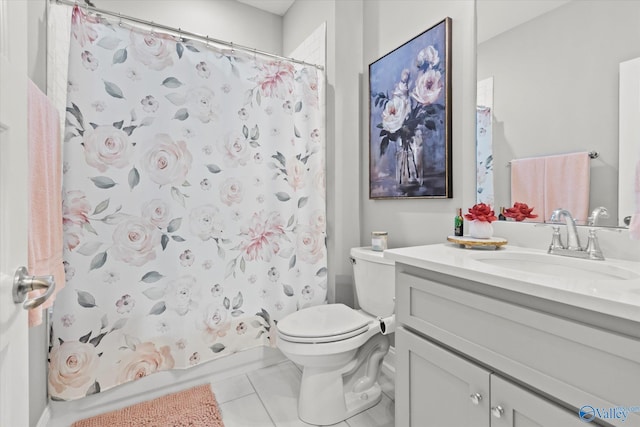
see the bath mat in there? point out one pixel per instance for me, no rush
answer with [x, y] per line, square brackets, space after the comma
[195, 407]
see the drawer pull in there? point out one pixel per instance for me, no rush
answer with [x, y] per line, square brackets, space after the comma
[497, 411]
[476, 398]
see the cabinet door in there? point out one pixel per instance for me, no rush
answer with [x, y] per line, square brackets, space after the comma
[513, 406]
[436, 388]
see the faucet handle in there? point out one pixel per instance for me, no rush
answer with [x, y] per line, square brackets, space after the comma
[593, 247]
[597, 213]
[556, 240]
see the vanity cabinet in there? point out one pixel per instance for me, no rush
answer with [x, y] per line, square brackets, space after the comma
[435, 387]
[464, 348]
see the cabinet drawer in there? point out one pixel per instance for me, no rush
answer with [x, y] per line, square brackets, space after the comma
[517, 407]
[575, 363]
[434, 386]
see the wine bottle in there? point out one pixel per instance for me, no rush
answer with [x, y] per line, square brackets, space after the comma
[459, 224]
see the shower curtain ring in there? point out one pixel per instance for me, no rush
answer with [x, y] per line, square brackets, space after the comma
[180, 34]
[119, 19]
[207, 41]
[232, 49]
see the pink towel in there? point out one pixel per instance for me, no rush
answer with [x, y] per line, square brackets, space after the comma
[45, 195]
[527, 184]
[634, 227]
[567, 184]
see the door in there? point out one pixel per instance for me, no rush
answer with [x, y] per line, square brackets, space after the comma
[436, 388]
[513, 406]
[14, 383]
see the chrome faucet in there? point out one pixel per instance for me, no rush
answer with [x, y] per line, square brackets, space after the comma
[573, 241]
[573, 247]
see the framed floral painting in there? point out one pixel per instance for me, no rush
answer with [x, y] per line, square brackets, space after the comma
[410, 118]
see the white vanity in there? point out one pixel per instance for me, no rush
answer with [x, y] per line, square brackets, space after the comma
[515, 337]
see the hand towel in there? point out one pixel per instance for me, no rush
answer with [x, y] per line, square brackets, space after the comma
[634, 226]
[527, 184]
[566, 184]
[45, 195]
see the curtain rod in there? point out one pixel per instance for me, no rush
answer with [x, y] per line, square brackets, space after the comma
[181, 33]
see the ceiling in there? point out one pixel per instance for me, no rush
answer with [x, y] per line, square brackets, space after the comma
[277, 7]
[498, 16]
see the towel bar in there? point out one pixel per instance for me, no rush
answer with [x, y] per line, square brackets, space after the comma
[592, 155]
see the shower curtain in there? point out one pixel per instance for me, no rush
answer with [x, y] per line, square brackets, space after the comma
[193, 204]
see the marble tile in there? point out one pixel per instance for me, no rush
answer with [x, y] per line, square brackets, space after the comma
[266, 397]
[381, 415]
[246, 411]
[278, 387]
[231, 388]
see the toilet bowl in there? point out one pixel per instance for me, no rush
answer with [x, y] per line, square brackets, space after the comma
[340, 348]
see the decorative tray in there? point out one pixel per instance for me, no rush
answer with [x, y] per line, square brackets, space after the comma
[471, 242]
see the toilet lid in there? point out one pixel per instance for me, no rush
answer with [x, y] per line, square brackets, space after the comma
[328, 320]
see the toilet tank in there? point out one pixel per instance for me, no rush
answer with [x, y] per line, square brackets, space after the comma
[374, 277]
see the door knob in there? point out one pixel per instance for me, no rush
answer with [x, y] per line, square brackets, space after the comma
[23, 283]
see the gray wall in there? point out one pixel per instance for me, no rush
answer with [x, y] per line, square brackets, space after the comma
[343, 73]
[556, 89]
[387, 25]
[225, 20]
[358, 33]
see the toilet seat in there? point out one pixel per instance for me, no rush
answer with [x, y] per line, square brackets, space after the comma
[323, 324]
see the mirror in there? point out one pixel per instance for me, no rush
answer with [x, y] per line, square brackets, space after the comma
[554, 65]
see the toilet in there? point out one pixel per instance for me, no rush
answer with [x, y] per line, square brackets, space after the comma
[340, 348]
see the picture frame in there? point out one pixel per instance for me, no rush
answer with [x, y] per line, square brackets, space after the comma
[410, 118]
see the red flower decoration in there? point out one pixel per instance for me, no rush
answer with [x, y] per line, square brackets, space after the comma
[519, 212]
[481, 212]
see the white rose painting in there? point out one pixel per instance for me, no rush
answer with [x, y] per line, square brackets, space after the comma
[193, 204]
[410, 118]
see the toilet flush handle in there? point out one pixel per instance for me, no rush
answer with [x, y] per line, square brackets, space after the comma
[353, 260]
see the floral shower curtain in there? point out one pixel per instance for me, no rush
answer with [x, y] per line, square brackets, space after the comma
[194, 209]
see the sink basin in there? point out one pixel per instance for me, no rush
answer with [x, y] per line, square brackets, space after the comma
[557, 266]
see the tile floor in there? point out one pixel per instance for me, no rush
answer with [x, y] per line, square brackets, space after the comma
[265, 397]
[268, 398]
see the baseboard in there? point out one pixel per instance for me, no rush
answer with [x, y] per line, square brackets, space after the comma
[45, 417]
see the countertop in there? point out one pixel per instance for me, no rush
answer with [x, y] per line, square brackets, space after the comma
[618, 298]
